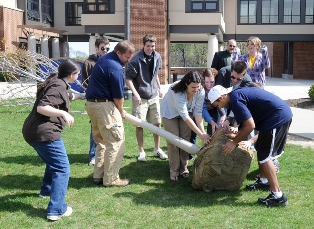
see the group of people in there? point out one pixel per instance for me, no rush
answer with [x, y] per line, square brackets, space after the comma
[183, 108]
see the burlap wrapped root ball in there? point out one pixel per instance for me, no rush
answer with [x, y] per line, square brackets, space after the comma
[215, 171]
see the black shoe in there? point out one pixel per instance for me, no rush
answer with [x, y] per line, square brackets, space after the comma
[98, 181]
[258, 176]
[258, 185]
[272, 201]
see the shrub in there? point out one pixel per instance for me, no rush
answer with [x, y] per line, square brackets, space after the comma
[311, 92]
[6, 77]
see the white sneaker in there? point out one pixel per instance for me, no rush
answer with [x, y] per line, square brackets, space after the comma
[68, 212]
[141, 156]
[92, 162]
[159, 153]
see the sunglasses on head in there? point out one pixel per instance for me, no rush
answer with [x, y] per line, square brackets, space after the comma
[232, 46]
[104, 48]
[238, 79]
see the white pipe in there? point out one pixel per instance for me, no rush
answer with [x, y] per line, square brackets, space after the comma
[179, 142]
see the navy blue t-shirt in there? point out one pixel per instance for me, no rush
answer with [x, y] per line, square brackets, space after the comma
[267, 110]
[107, 78]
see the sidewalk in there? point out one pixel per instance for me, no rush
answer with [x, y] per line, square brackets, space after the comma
[302, 124]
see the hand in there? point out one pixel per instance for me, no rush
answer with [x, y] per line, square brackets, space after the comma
[68, 118]
[123, 113]
[160, 94]
[228, 147]
[222, 120]
[137, 99]
[245, 144]
[205, 138]
[214, 126]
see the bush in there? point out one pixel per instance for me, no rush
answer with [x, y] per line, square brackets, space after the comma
[6, 77]
[311, 92]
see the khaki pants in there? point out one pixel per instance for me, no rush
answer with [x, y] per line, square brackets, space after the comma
[108, 133]
[178, 158]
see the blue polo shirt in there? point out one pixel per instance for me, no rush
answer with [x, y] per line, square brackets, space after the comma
[267, 110]
[107, 78]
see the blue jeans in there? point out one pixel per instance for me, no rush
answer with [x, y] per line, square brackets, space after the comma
[92, 146]
[57, 173]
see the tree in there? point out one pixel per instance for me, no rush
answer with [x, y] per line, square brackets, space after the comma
[191, 55]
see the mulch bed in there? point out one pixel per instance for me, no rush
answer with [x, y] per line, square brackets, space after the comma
[304, 103]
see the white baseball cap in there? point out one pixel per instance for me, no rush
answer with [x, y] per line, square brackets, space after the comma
[217, 91]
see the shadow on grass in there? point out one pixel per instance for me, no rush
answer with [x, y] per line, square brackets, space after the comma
[12, 203]
[36, 161]
[167, 193]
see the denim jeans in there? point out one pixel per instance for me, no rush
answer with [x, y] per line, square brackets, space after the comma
[57, 173]
[92, 146]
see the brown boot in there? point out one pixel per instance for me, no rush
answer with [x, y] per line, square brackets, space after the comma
[119, 182]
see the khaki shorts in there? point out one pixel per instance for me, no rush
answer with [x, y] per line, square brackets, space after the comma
[149, 110]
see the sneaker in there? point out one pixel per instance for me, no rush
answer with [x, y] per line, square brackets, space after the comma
[258, 185]
[68, 212]
[141, 156]
[272, 201]
[159, 153]
[43, 196]
[119, 182]
[92, 162]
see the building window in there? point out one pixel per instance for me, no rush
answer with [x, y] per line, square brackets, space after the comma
[204, 5]
[309, 11]
[248, 11]
[97, 6]
[269, 11]
[291, 11]
[33, 10]
[46, 11]
[73, 13]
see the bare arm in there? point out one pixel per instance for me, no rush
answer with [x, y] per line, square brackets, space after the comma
[119, 105]
[159, 91]
[201, 133]
[136, 96]
[53, 112]
[247, 127]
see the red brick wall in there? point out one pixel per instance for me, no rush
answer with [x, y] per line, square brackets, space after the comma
[303, 60]
[9, 33]
[278, 59]
[150, 16]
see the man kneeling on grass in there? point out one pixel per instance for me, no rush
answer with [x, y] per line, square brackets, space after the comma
[255, 108]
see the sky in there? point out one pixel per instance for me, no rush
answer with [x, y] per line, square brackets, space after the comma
[84, 47]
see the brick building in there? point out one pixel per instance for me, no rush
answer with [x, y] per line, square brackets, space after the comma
[285, 26]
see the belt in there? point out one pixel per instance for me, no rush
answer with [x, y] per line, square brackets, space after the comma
[98, 100]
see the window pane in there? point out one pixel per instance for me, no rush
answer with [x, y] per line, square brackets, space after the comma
[286, 19]
[197, 6]
[91, 8]
[295, 19]
[244, 12]
[211, 6]
[308, 19]
[103, 7]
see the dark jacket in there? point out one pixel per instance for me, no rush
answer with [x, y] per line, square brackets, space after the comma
[220, 59]
[224, 78]
[138, 71]
[87, 68]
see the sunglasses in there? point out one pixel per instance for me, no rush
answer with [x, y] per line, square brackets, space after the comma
[232, 46]
[238, 79]
[104, 48]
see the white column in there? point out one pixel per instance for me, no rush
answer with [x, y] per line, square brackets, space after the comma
[92, 40]
[65, 49]
[31, 42]
[212, 48]
[44, 46]
[55, 48]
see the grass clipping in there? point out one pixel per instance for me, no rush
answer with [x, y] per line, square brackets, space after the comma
[215, 171]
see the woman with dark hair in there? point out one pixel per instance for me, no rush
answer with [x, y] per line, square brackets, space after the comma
[183, 102]
[42, 130]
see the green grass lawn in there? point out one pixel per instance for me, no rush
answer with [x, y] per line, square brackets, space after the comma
[152, 200]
